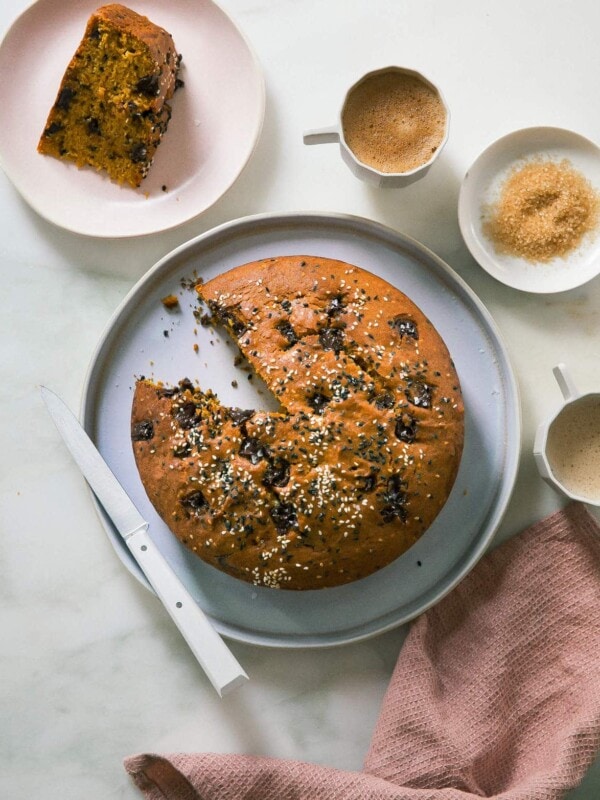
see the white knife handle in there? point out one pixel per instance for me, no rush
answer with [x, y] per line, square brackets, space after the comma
[215, 658]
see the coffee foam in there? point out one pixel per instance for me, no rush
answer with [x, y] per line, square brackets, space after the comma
[573, 448]
[394, 122]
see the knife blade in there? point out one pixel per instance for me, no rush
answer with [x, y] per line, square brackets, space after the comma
[217, 661]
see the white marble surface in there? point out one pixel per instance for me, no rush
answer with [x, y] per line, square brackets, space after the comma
[91, 668]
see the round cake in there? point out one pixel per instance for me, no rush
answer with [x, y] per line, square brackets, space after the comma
[354, 466]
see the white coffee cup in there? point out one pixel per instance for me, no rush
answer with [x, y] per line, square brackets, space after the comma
[564, 461]
[335, 134]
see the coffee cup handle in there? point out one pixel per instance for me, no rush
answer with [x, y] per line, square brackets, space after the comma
[327, 135]
[565, 382]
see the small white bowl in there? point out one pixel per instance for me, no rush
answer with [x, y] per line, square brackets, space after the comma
[481, 186]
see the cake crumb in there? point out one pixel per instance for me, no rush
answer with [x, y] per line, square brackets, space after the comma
[170, 301]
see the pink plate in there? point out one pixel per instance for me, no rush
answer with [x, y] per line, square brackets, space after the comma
[217, 119]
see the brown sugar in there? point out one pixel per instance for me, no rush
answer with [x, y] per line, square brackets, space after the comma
[544, 210]
[394, 122]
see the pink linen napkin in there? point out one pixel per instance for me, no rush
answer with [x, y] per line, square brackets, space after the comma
[496, 693]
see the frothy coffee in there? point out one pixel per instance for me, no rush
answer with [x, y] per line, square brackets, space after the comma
[394, 122]
[574, 448]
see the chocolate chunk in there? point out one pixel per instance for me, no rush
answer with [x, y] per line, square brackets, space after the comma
[237, 326]
[227, 317]
[93, 126]
[406, 428]
[419, 394]
[185, 415]
[65, 98]
[134, 110]
[142, 431]
[277, 473]
[286, 330]
[332, 339]
[186, 383]
[138, 153]
[318, 402]
[287, 306]
[366, 483]
[395, 500]
[53, 128]
[238, 416]
[149, 85]
[404, 327]
[284, 516]
[384, 401]
[253, 449]
[167, 391]
[193, 502]
[336, 306]
[182, 450]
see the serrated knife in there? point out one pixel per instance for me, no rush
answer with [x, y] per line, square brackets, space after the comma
[215, 658]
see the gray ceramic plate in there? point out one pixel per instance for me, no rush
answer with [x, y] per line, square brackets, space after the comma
[135, 343]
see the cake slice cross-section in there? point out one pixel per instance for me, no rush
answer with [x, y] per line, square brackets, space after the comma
[112, 108]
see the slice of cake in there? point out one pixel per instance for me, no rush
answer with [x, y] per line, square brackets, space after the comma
[111, 110]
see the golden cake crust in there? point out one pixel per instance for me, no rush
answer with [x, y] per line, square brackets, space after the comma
[354, 467]
[112, 109]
